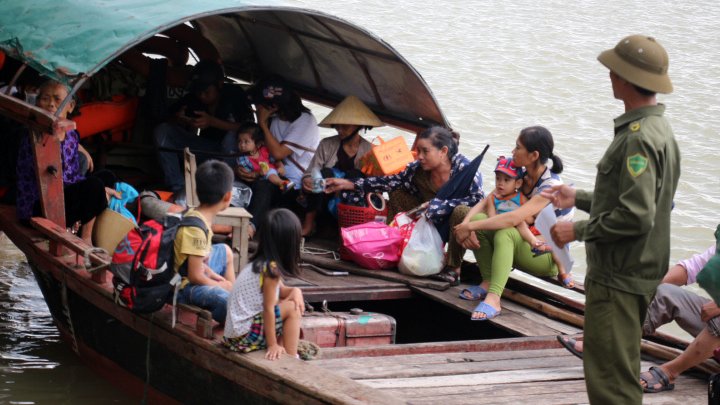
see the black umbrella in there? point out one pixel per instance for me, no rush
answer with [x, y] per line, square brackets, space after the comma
[457, 187]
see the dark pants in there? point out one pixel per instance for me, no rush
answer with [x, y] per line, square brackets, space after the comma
[85, 199]
[613, 330]
[264, 197]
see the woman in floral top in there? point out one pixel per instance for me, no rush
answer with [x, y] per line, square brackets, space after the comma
[438, 160]
[84, 198]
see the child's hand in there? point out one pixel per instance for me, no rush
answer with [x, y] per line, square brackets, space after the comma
[461, 231]
[274, 352]
[297, 297]
[226, 285]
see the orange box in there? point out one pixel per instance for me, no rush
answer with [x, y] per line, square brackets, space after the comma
[387, 158]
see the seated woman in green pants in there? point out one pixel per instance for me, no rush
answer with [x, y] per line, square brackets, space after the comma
[496, 243]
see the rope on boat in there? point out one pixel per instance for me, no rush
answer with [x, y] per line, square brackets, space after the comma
[88, 263]
[317, 251]
[147, 362]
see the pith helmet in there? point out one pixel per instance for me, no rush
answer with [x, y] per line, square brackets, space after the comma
[642, 61]
[351, 111]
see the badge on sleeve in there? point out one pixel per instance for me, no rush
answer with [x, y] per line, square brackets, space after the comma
[637, 164]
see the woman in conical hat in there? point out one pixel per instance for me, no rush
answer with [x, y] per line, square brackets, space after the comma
[337, 154]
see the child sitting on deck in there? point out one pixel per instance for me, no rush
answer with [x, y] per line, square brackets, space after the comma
[506, 198]
[256, 157]
[207, 269]
[263, 312]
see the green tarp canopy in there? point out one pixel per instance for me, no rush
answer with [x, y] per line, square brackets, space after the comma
[324, 57]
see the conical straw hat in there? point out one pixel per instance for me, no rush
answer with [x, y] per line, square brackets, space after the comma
[109, 229]
[351, 111]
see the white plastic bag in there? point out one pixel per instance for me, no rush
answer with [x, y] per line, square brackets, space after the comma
[423, 255]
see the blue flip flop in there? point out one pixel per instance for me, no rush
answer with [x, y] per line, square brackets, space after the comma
[478, 293]
[486, 309]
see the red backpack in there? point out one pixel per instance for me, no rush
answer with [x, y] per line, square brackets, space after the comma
[142, 265]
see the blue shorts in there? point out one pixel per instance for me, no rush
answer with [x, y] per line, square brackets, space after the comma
[212, 298]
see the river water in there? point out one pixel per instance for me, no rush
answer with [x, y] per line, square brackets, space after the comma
[495, 67]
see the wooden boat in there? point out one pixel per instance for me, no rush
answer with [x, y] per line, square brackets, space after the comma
[438, 356]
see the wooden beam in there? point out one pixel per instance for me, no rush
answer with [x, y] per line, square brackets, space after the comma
[509, 344]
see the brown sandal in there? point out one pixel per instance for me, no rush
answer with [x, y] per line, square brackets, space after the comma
[449, 276]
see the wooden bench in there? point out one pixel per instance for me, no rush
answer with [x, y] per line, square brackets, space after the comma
[237, 218]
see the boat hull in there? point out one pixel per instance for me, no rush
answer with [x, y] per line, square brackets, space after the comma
[137, 363]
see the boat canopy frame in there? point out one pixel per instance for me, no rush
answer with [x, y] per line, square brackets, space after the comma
[323, 57]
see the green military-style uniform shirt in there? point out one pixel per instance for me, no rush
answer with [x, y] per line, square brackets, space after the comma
[628, 234]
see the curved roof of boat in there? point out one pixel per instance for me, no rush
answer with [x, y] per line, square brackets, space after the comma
[324, 57]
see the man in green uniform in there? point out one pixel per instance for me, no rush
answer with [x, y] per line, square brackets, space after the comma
[627, 237]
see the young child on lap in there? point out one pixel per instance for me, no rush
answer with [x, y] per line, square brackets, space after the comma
[256, 157]
[207, 270]
[263, 312]
[508, 197]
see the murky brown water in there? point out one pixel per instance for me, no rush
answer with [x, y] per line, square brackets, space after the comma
[36, 367]
[495, 67]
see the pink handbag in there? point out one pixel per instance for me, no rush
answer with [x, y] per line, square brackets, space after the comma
[372, 245]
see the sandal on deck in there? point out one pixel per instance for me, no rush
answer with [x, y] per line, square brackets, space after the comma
[477, 293]
[657, 377]
[449, 276]
[569, 344]
[486, 309]
[566, 280]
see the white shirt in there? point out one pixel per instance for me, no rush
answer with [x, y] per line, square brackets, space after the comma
[246, 301]
[303, 131]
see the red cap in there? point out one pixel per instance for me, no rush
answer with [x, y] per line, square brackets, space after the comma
[507, 166]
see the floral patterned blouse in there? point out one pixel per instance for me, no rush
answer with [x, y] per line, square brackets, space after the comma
[437, 208]
[28, 192]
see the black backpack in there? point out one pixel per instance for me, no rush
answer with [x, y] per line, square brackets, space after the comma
[142, 265]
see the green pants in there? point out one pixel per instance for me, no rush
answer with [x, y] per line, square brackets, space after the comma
[611, 349]
[501, 251]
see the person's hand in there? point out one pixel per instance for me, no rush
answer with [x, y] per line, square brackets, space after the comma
[297, 298]
[203, 120]
[561, 196]
[562, 233]
[307, 184]
[246, 175]
[91, 164]
[333, 185]
[281, 170]
[111, 192]
[264, 113]
[225, 283]
[462, 231]
[274, 352]
[709, 310]
[471, 243]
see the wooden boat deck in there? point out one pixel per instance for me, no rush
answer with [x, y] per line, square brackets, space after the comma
[492, 371]
[502, 371]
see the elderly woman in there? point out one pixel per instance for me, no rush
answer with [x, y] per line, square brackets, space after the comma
[496, 243]
[437, 161]
[338, 154]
